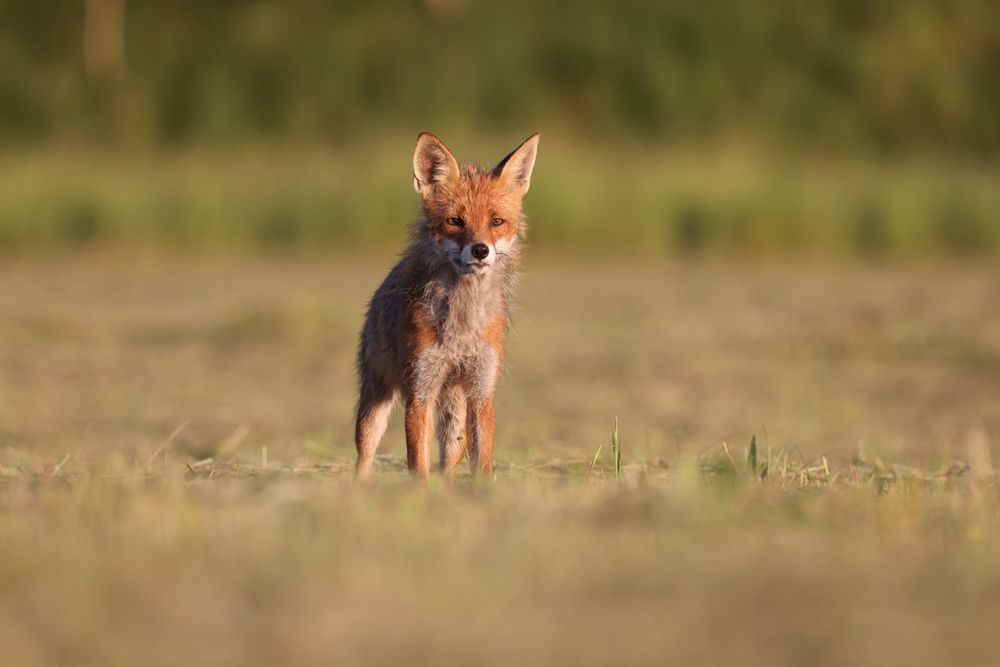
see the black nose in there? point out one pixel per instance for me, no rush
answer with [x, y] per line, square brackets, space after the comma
[480, 251]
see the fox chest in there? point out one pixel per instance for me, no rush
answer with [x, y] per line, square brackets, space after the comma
[462, 345]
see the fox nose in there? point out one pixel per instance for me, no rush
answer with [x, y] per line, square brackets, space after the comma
[480, 251]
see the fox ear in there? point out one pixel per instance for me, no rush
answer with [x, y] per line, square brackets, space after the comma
[515, 169]
[433, 164]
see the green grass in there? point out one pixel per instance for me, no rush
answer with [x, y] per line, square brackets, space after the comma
[802, 469]
[654, 200]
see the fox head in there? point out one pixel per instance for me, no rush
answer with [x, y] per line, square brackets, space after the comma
[472, 215]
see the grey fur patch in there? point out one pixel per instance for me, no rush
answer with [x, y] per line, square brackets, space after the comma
[458, 306]
[451, 406]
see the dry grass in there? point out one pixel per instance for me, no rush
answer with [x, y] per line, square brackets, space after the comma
[113, 353]
[293, 564]
[175, 455]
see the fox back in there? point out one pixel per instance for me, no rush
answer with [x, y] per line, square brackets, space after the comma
[434, 330]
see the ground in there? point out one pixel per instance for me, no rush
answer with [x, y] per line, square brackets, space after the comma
[175, 453]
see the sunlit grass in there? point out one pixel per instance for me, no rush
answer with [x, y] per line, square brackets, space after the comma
[801, 471]
[248, 559]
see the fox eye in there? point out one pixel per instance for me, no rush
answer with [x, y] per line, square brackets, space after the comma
[456, 222]
[496, 222]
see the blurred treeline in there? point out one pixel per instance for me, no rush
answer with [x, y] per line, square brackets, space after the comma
[883, 74]
[868, 84]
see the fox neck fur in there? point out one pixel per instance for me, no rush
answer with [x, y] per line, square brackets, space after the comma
[461, 306]
[463, 317]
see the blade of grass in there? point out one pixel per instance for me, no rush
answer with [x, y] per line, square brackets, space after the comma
[594, 462]
[166, 443]
[616, 449]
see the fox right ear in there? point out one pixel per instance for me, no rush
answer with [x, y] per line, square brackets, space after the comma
[433, 164]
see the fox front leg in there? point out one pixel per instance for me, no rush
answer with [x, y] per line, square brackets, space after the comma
[480, 427]
[418, 436]
[480, 381]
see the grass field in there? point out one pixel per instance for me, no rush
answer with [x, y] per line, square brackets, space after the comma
[655, 200]
[175, 453]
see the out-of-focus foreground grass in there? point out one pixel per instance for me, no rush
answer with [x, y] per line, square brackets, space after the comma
[244, 565]
[175, 457]
[652, 199]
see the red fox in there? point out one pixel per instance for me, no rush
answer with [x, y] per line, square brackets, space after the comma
[434, 331]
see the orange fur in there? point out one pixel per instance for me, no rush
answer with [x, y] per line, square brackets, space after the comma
[435, 328]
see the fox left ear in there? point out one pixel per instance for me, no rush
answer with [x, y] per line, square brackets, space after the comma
[515, 169]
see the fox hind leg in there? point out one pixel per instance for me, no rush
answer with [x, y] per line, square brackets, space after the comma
[451, 427]
[374, 406]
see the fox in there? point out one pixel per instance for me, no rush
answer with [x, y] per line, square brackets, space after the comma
[435, 329]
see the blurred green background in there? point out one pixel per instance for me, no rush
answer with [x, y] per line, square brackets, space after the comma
[859, 126]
